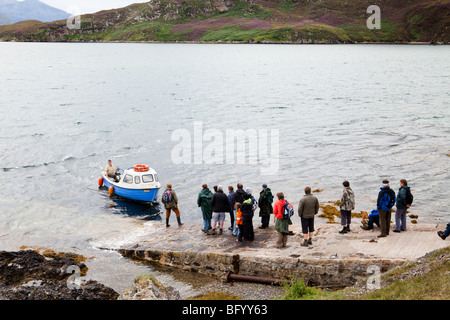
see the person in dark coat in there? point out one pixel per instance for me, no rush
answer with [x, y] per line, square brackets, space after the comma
[220, 206]
[385, 202]
[247, 218]
[204, 202]
[308, 207]
[265, 206]
[402, 206]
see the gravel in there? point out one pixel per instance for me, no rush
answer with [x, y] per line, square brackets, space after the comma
[245, 290]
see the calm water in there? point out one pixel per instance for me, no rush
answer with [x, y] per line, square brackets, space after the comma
[359, 112]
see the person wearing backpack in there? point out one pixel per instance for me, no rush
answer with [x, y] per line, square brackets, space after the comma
[307, 209]
[204, 202]
[170, 201]
[385, 202]
[346, 205]
[404, 201]
[281, 221]
[265, 206]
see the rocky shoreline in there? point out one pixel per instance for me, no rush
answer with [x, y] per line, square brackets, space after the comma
[30, 275]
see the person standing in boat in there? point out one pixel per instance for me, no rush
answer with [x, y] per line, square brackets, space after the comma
[111, 171]
[170, 201]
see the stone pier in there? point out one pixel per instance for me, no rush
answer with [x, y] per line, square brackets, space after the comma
[333, 261]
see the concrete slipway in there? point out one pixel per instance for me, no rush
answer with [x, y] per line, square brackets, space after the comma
[333, 261]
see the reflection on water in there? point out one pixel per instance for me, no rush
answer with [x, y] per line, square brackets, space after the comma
[136, 209]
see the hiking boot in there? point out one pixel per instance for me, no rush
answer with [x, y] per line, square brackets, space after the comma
[381, 236]
[220, 231]
[344, 230]
[211, 232]
[167, 223]
[441, 234]
[347, 228]
[310, 241]
[305, 243]
[179, 221]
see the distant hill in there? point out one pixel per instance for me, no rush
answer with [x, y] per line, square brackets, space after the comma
[254, 21]
[15, 11]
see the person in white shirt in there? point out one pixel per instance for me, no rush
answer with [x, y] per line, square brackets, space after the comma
[111, 171]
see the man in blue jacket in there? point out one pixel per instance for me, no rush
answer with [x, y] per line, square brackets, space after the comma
[385, 202]
[402, 206]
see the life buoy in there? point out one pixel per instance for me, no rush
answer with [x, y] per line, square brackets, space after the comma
[140, 168]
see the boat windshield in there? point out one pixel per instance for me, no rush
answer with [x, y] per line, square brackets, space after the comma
[128, 178]
[147, 178]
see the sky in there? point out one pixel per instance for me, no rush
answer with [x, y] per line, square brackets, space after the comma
[89, 6]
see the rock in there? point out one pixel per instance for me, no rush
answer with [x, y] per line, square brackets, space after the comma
[29, 275]
[147, 287]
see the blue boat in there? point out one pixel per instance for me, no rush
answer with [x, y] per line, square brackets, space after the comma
[139, 183]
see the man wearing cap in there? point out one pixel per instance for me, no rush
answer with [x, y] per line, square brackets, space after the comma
[265, 206]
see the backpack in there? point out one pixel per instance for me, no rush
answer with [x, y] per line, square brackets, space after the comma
[288, 210]
[167, 196]
[409, 197]
[386, 203]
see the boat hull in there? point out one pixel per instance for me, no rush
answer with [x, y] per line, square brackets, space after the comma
[147, 195]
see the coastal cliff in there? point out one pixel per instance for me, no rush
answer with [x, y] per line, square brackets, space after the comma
[250, 21]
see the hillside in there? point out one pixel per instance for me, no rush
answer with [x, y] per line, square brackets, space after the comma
[286, 21]
[15, 11]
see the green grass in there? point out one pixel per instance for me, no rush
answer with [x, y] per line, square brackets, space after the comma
[216, 295]
[286, 6]
[389, 32]
[285, 34]
[145, 31]
[297, 290]
[244, 9]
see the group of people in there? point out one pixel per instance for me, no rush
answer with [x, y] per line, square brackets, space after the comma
[241, 205]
